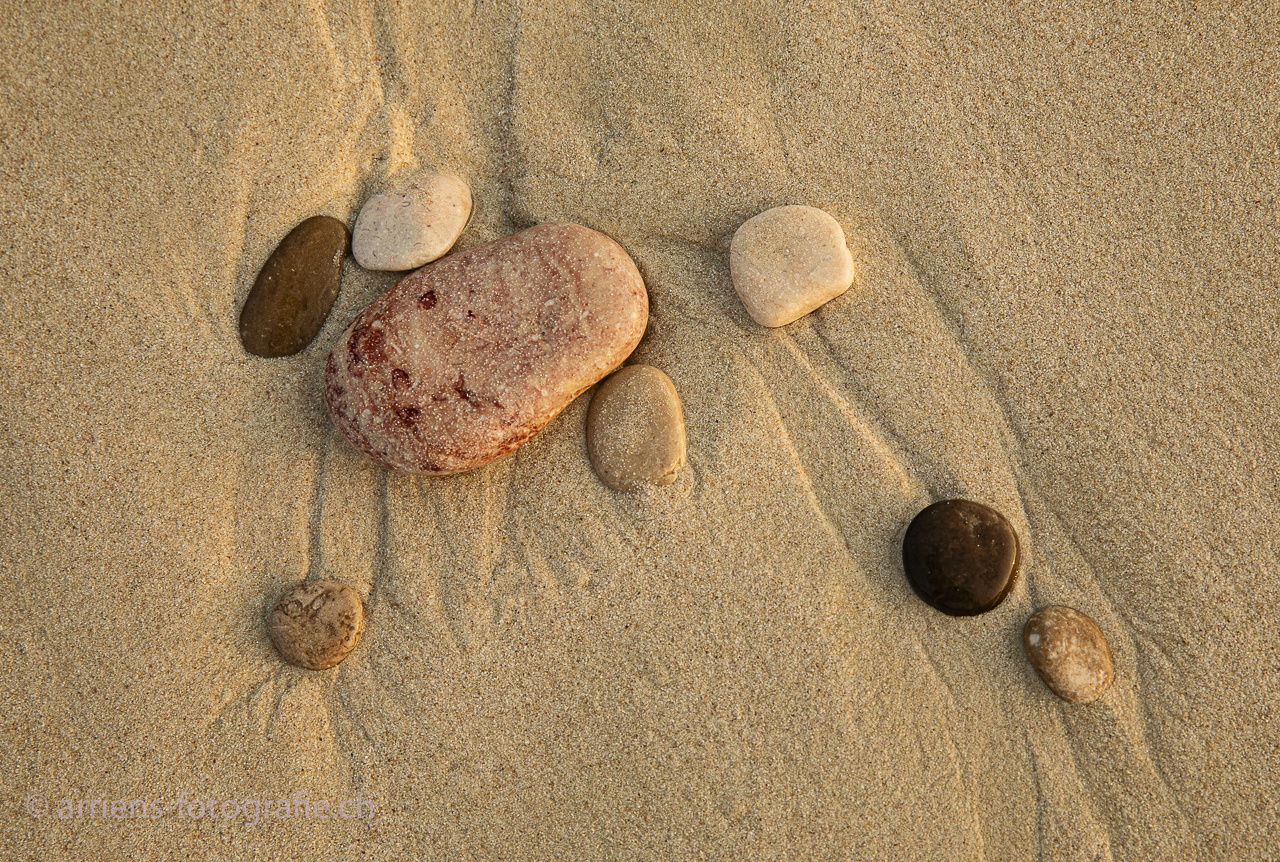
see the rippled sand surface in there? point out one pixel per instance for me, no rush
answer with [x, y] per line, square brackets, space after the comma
[1067, 232]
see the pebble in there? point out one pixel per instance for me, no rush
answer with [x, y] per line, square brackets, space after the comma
[406, 229]
[787, 261]
[635, 429]
[466, 359]
[295, 289]
[317, 623]
[961, 557]
[1069, 652]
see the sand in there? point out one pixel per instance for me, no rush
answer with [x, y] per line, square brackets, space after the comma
[1067, 231]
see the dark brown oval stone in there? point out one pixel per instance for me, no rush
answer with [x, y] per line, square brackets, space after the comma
[961, 557]
[295, 289]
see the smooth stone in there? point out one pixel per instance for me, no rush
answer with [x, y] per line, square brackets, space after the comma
[295, 289]
[317, 623]
[787, 261]
[1069, 652]
[961, 557]
[406, 229]
[635, 429]
[468, 358]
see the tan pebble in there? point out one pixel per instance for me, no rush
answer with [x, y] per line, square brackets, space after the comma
[465, 360]
[635, 429]
[406, 229]
[787, 261]
[317, 623]
[1069, 652]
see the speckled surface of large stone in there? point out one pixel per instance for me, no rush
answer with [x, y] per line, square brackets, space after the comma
[960, 556]
[635, 429]
[468, 358]
[316, 624]
[412, 226]
[787, 261]
[295, 289]
[1069, 652]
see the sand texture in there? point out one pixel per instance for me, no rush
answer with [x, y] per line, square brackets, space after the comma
[1066, 232]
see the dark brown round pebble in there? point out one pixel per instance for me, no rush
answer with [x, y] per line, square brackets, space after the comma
[1069, 652]
[961, 557]
[295, 289]
[316, 624]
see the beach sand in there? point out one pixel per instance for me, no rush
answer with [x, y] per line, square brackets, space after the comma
[1067, 237]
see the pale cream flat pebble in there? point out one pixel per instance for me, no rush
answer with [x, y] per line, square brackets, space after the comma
[409, 228]
[317, 623]
[787, 261]
[1069, 652]
[635, 429]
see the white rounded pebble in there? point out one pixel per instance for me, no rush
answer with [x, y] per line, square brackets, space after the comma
[787, 261]
[406, 229]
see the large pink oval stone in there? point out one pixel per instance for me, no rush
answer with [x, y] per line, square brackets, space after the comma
[467, 358]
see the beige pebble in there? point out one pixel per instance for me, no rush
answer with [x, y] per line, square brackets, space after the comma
[465, 360]
[1069, 652]
[787, 261]
[408, 228]
[316, 623]
[635, 429]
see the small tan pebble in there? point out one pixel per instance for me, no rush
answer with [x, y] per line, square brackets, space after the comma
[408, 228]
[317, 623]
[1069, 652]
[635, 429]
[787, 261]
